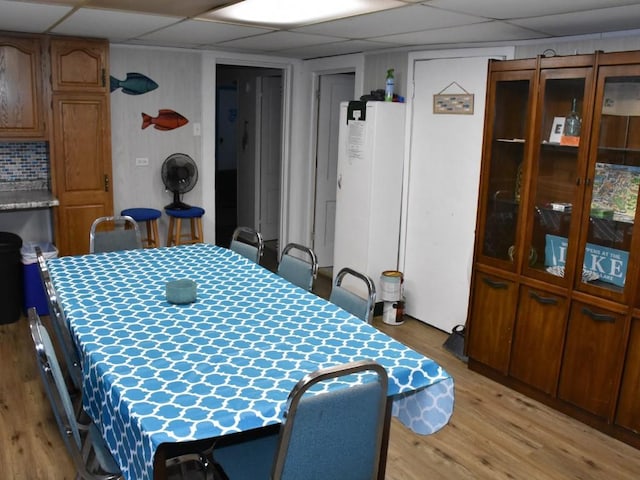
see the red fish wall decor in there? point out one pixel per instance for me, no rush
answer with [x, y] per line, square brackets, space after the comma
[166, 120]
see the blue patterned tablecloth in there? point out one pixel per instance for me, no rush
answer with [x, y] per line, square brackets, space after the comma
[156, 372]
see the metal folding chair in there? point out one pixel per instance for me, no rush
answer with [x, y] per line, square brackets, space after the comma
[361, 307]
[110, 234]
[299, 271]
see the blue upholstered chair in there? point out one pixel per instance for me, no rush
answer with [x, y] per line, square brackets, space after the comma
[361, 307]
[330, 431]
[114, 233]
[299, 271]
[175, 235]
[150, 218]
[88, 451]
[248, 243]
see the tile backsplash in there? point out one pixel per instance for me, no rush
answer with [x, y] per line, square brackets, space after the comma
[24, 165]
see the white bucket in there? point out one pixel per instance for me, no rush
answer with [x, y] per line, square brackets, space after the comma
[391, 286]
[393, 313]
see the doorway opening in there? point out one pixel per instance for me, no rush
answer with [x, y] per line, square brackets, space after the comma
[249, 153]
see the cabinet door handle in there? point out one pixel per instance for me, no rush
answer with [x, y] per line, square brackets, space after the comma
[106, 183]
[598, 317]
[543, 300]
[493, 283]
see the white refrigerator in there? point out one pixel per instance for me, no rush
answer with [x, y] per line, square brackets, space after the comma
[369, 188]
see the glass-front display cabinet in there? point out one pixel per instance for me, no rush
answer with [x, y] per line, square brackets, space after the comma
[612, 185]
[558, 164]
[510, 94]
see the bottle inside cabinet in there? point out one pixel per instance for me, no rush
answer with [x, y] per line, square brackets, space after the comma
[555, 169]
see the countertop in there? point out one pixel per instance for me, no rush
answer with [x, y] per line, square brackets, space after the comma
[26, 199]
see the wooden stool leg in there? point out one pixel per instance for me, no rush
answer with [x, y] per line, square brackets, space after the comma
[170, 233]
[199, 228]
[154, 227]
[148, 240]
[178, 230]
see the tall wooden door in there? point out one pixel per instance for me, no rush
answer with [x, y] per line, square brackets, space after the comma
[82, 151]
[80, 139]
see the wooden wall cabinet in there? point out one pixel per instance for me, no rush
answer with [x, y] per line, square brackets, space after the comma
[21, 90]
[557, 217]
[80, 140]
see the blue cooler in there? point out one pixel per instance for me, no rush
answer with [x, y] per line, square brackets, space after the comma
[34, 294]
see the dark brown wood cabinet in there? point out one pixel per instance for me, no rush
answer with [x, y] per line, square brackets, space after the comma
[628, 414]
[557, 217]
[21, 90]
[494, 302]
[80, 140]
[538, 339]
[592, 359]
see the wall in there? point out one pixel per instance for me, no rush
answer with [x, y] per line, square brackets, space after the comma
[178, 75]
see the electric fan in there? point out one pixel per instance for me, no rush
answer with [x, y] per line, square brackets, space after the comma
[179, 175]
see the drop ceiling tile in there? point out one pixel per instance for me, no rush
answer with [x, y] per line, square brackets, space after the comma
[279, 40]
[14, 15]
[115, 26]
[399, 20]
[579, 23]
[480, 32]
[335, 48]
[199, 32]
[506, 9]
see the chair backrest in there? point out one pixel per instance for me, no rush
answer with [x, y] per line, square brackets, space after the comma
[81, 452]
[334, 429]
[59, 323]
[110, 234]
[349, 301]
[248, 243]
[298, 271]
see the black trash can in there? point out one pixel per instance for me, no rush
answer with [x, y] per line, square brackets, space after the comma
[10, 277]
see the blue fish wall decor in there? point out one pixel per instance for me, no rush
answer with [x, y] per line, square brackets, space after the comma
[134, 84]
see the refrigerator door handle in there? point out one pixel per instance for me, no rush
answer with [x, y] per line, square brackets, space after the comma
[339, 181]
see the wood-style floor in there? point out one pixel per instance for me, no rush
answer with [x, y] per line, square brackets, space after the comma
[494, 433]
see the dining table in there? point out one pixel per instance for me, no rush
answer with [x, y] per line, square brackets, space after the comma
[157, 373]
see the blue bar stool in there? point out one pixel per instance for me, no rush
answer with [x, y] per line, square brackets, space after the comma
[150, 216]
[175, 235]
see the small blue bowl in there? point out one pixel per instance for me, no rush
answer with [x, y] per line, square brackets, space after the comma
[181, 291]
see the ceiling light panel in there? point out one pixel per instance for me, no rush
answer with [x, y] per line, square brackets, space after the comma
[288, 13]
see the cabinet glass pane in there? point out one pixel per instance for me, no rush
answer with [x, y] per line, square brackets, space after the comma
[505, 171]
[556, 171]
[616, 177]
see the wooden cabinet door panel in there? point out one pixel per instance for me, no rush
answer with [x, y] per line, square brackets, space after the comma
[538, 339]
[79, 65]
[592, 359]
[493, 310]
[21, 112]
[628, 415]
[81, 153]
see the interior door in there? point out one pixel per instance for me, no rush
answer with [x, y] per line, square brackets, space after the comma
[446, 150]
[270, 154]
[334, 88]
